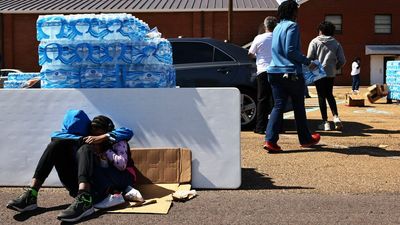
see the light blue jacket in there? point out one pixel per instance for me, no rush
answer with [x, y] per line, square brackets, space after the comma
[286, 51]
[76, 124]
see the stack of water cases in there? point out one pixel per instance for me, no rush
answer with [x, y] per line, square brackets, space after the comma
[102, 51]
[18, 80]
[393, 79]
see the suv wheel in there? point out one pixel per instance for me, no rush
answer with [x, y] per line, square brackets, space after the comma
[248, 109]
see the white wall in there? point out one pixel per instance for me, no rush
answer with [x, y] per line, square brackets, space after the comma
[206, 120]
[376, 75]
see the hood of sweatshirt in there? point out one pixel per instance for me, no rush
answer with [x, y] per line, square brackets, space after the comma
[326, 39]
[75, 125]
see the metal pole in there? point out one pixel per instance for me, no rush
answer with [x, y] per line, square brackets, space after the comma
[230, 10]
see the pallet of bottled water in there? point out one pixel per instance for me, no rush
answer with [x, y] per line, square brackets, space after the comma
[19, 80]
[102, 51]
[393, 79]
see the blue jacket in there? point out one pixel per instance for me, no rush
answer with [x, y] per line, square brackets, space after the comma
[286, 51]
[76, 124]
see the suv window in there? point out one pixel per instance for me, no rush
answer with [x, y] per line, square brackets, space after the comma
[189, 52]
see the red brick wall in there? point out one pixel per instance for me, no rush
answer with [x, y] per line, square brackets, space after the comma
[20, 45]
[19, 42]
[358, 28]
[206, 24]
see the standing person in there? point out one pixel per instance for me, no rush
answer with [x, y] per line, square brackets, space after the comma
[261, 50]
[326, 49]
[355, 75]
[72, 158]
[286, 78]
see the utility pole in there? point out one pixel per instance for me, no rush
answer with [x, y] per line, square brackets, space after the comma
[230, 10]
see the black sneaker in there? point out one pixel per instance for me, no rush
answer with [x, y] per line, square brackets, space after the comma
[25, 202]
[80, 208]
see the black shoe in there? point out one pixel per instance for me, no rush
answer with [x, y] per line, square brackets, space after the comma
[25, 202]
[80, 208]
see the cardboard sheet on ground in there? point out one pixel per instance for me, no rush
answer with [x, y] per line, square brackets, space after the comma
[162, 193]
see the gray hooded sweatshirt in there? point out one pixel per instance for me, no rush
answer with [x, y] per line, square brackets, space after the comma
[329, 52]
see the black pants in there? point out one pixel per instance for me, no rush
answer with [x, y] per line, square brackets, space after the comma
[325, 93]
[265, 101]
[73, 162]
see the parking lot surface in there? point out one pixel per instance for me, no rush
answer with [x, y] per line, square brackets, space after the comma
[351, 177]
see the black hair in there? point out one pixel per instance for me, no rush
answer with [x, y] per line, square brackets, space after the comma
[287, 10]
[270, 23]
[327, 28]
[102, 122]
[358, 61]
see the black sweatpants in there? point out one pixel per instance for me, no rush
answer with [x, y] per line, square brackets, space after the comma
[324, 88]
[264, 101]
[73, 163]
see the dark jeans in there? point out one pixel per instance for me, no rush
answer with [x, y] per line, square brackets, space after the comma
[325, 93]
[264, 101]
[282, 89]
[109, 180]
[355, 82]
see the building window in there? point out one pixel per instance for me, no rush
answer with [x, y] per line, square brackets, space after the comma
[383, 24]
[337, 21]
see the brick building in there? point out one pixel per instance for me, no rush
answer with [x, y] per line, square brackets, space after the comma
[369, 29]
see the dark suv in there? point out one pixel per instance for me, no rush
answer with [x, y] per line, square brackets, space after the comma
[206, 62]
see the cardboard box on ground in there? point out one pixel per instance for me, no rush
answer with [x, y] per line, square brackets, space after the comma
[376, 92]
[160, 173]
[354, 100]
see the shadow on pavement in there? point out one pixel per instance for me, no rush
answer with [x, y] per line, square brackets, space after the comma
[349, 129]
[40, 210]
[253, 180]
[358, 150]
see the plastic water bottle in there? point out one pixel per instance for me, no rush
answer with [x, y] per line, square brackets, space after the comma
[79, 25]
[143, 76]
[83, 52]
[164, 51]
[49, 53]
[51, 27]
[100, 54]
[125, 55]
[104, 76]
[60, 77]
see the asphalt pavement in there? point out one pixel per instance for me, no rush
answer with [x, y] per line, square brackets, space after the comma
[351, 177]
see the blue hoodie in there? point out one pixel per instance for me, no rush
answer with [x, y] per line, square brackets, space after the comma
[76, 124]
[286, 52]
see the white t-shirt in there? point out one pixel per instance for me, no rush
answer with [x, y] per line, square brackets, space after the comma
[354, 69]
[261, 47]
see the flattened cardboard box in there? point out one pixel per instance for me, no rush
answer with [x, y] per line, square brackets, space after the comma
[160, 172]
[162, 165]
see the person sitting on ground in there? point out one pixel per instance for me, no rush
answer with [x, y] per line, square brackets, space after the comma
[69, 154]
[113, 171]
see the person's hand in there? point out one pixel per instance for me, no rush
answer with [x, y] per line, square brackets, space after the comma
[95, 139]
[312, 66]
